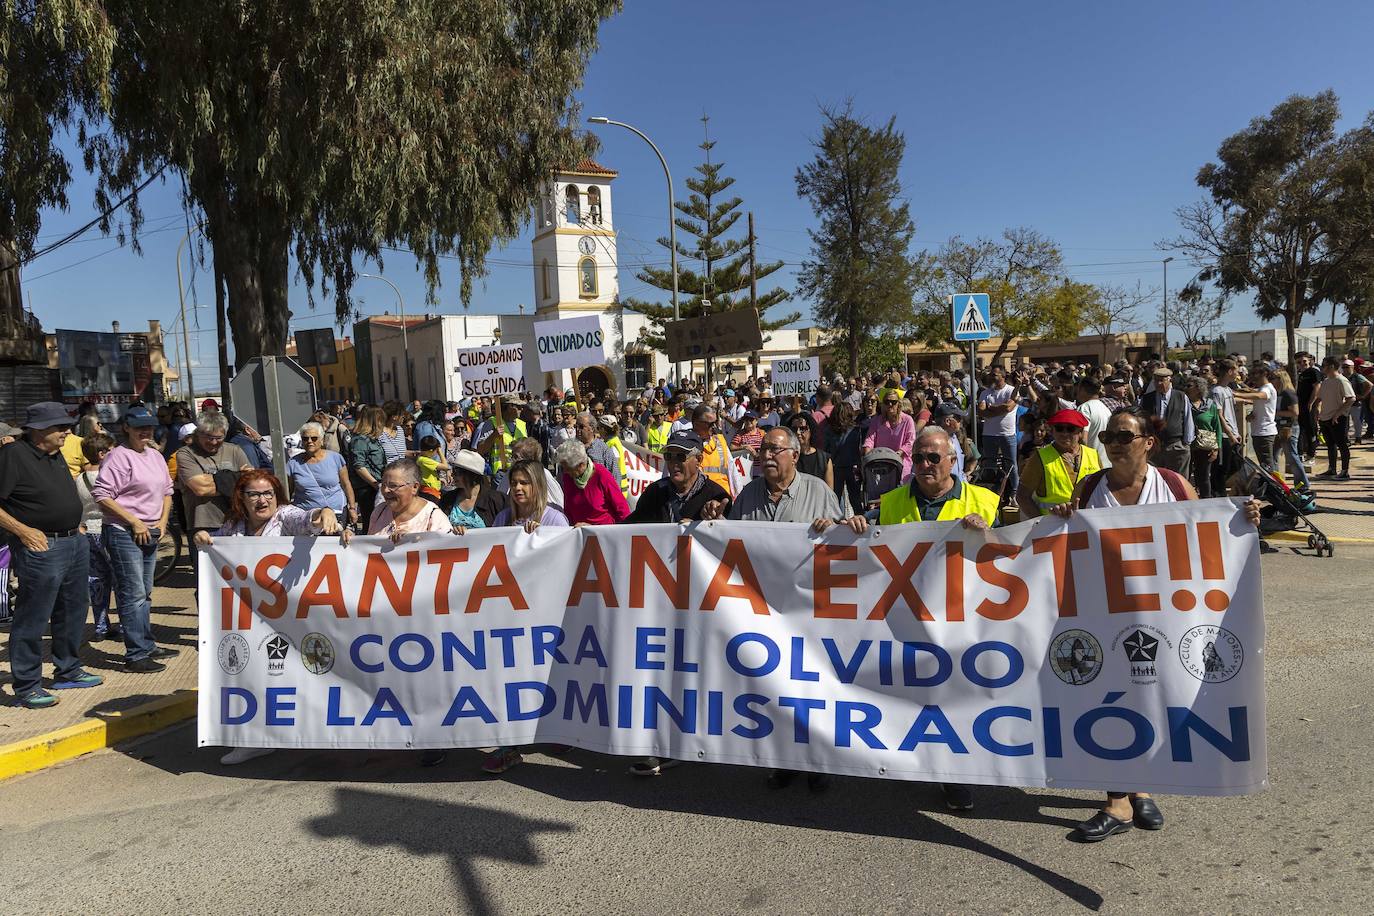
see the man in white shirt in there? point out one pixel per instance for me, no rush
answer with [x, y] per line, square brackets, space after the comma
[1090, 405]
[1264, 427]
[997, 407]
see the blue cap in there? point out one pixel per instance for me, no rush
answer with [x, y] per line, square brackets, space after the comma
[138, 415]
[686, 440]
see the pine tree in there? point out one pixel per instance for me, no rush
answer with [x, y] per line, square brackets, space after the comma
[724, 275]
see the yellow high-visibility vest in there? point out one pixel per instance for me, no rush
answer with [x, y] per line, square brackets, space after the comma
[898, 507]
[658, 436]
[1058, 487]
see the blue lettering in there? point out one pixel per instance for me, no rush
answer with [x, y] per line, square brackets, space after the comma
[944, 732]
[644, 648]
[1183, 721]
[468, 704]
[514, 712]
[355, 653]
[507, 636]
[426, 653]
[715, 712]
[944, 664]
[279, 702]
[476, 655]
[770, 662]
[589, 647]
[685, 718]
[763, 726]
[801, 716]
[799, 672]
[982, 730]
[680, 663]
[846, 671]
[250, 706]
[1143, 733]
[595, 697]
[546, 642]
[846, 726]
[1054, 738]
[1016, 666]
[333, 715]
[386, 706]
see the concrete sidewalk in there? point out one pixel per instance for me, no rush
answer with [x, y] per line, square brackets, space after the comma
[125, 705]
[1345, 507]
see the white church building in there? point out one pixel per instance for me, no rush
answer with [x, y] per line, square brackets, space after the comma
[575, 273]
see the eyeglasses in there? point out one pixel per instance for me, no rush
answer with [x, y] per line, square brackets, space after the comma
[387, 487]
[927, 458]
[1118, 438]
[774, 449]
[310, 438]
[262, 495]
[1066, 428]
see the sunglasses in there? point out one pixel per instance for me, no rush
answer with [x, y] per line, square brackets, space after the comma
[891, 403]
[1118, 438]
[1066, 428]
[931, 458]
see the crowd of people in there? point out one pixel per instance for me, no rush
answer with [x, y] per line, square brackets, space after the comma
[84, 507]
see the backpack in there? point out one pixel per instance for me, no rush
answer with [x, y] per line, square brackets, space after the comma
[1172, 480]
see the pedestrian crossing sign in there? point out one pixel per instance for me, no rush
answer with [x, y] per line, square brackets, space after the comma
[970, 314]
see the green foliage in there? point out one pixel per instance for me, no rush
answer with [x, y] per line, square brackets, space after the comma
[859, 272]
[325, 131]
[877, 353]
[724, 275]
[1290, 214]
[54, 62]
[1023, 275]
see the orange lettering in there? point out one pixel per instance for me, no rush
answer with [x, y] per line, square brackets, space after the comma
[593, 577]
[1176, 546]
[506, 586]
[643, 557]
[824, 580]
[1209, 543]
[1116, 571]
[954, 581]
[378, 572]
[735, 559]
[445, 559]
[1060, 547]
[324, 589]
[901, 584]
[1015, 587]
[268, 583]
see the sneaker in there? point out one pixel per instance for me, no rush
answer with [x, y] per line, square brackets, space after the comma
[652, 766]
[957, 797]
[37, 698]
[500, 760]
[144, 666]
[78, 680]
[244, 754]
[163, 652]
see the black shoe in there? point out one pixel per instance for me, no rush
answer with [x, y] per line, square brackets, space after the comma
[144, 666]
[1098, 827]
[114, 634]
[1147, 814]
[818, 782]
[432, 758]
[957, 797]
[1343, 475]
[781, 779]
[163, 652]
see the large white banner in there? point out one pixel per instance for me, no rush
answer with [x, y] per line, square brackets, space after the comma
[1122, 649]
[569, 343]
[492, 371]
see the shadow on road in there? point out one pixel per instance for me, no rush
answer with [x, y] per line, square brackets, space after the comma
[460, 833]
[873, 807]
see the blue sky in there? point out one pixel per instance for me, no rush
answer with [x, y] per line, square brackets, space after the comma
[1087, 121]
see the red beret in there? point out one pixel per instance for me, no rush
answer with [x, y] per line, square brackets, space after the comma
[1069, 418]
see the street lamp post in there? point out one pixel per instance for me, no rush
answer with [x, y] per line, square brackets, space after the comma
[185, 334]
[1164, 352]
[672, 222]
[405, 338]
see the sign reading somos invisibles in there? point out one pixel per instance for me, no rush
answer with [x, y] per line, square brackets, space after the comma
[492, 370]
[796, 377]
[569, 343]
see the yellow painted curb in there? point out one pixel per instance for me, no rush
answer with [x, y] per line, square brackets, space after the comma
[1301, 538]
[105, 730]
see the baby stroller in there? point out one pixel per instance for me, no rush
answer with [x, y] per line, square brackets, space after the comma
[1287, 508]
[882, 472]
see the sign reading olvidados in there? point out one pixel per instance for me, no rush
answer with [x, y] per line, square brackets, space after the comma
[569, 343]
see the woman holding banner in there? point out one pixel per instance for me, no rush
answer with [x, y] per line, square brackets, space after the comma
[1130, 438]
[403, 510]
[259, 509]
[530, 509]
[478, 502]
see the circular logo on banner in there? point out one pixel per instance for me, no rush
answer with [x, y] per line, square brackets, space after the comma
[317, 653]
[1075, 656]
[1142, 645]
[1211, 653]
[233, 653]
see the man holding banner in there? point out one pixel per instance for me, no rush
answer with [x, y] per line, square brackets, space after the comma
[681, 495]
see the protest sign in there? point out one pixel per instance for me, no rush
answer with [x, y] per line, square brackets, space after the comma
[492, 370]
[798, 377]
[569, 343]
[1119, 649]
[643, 467]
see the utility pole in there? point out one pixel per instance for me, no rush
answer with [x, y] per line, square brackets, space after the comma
[1164, 350]
[753, 291]
[226, 399]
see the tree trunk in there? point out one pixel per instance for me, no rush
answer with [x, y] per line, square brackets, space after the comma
[1290, 330]
[253, 260]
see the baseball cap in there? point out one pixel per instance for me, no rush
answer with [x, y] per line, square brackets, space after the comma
[46, 415]
[949, 409]
[684, 440]
[209, 404]
[139, 416]
[185, 430]
[607, 421]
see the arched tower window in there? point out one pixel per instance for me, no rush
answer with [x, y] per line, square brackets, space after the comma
[574, 205]
[586, 278]
[544, 270]
[594, 206]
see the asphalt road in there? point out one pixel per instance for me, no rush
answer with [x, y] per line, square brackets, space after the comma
[160, 827]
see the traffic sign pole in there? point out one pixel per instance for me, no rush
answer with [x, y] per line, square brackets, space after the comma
[274, 420]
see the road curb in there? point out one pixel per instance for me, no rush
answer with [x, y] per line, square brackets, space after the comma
[1300, 538]
[105, 730]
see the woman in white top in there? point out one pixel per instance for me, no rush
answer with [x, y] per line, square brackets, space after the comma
[402, 510]
[1264, 427]
[1130, 437]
